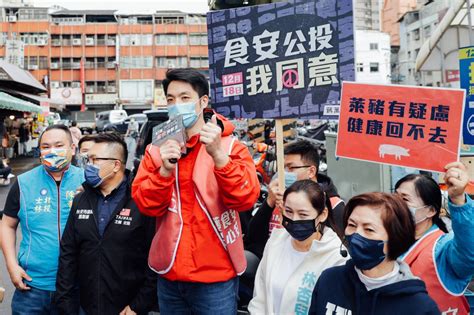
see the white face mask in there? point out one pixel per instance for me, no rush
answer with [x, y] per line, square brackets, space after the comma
[413, 211]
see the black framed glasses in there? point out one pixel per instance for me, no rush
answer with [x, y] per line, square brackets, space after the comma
[292, 168]
[91, 159]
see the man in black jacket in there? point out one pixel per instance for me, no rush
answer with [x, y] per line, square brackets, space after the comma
[105, 245]
[301, 159]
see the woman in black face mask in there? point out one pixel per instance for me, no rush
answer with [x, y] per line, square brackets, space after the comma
[295, 255]
[378, 228]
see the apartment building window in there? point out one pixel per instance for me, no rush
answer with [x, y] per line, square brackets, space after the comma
[196, 19]
[111, 87]
[409, 55]
[43, 62]
[101, 87]
[100, 62]
[35, 63]
[111, 40]
[427, 31]
[38, 39]
[3, 38]
[66, 63]
[70, 84]
[91, 87]
[33, 14]
[172, 62]
[171, 39]
[140, 62]
[198, 39]
[360, 67]
[170, 20]
[55, 40]
[68, 20]
[199, 62]
[374, 67]
[136, 40]
[416, 34]
[374, 46]
[99, 40]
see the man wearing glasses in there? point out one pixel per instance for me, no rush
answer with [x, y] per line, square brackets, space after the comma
[301, 162]
[106, 240]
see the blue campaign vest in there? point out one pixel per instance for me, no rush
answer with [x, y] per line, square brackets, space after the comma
[44, 210]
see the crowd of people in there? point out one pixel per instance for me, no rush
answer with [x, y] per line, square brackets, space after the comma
[97, 239]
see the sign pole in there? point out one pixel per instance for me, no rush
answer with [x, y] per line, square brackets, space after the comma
[280, 152]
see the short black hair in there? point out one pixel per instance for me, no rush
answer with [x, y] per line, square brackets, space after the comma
[56, 127]
[189, 75]
[113, 138]
[308, 152]
[85, 138]
[74, 123]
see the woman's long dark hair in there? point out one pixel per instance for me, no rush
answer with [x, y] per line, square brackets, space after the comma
[428, 190]
[318, 198]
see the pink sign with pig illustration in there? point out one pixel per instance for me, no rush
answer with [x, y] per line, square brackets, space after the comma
[418, 127]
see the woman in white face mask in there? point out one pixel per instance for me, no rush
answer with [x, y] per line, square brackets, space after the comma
[444, 261]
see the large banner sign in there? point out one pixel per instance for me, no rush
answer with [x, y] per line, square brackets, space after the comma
[280, 60]
[466, 71]
[416, 127]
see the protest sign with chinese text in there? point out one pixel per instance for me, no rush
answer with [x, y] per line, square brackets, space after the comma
[466, 72]
[416, 127]
[280, 60]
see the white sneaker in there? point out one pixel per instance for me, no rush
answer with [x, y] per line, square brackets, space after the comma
[11, 175]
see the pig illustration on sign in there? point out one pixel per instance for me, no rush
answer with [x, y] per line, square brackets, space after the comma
[390, 149]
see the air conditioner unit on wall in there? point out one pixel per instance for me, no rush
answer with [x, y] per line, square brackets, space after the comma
[33, 67]
[42, 42]
[76, 42]
[89, 42]
[12, 18]
[54, 65]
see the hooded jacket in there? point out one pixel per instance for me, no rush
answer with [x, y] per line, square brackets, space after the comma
[323, 254]
[111, 270]
[266, 218]
[340, 291]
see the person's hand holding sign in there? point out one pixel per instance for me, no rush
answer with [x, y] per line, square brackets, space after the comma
[170, 150]
[456, 178]
[210, 136]
[275, 196]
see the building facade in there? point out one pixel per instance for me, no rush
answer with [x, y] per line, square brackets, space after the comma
[103, 58]
[367, 14]
[372, 57]
[416, 27]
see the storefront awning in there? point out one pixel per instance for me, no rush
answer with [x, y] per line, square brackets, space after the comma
[12, 103]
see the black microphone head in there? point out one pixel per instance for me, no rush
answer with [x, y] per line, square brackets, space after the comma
[343, 251]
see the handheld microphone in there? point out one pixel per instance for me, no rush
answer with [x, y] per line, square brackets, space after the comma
[343, 251]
